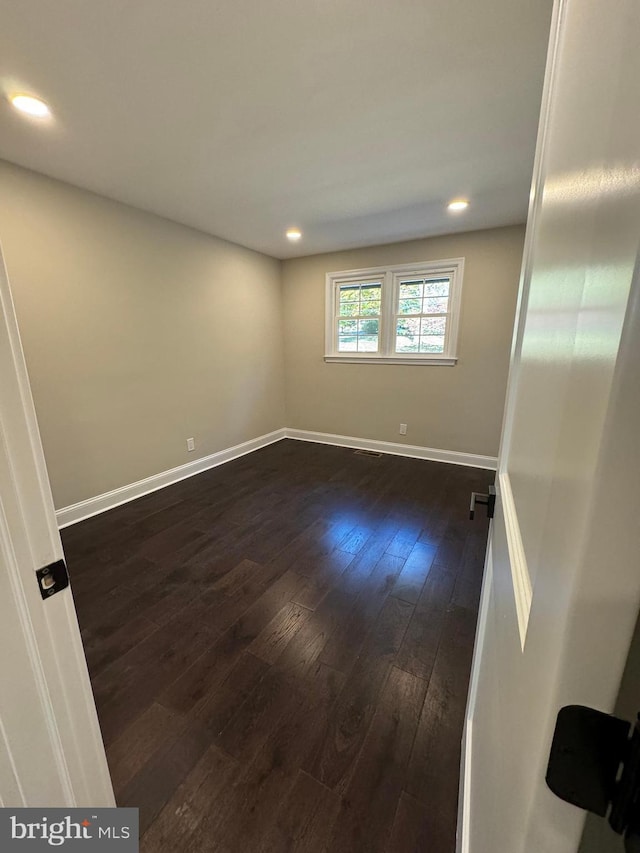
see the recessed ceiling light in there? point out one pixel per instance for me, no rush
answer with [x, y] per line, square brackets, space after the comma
[30, 105]
[294, 234]
[458, 204]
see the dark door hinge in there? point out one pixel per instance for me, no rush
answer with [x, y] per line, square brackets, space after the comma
[52, 578]
[595, 765]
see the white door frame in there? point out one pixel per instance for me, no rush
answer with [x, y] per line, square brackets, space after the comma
[522, 589]
[51, 750]
[589, 631]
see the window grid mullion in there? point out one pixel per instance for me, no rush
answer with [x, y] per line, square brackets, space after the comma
[387, 329]
[409, 316]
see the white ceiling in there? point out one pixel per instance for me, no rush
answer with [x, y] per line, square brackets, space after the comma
[356, 120]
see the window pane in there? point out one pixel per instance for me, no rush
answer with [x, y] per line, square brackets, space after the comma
[368, 343]
[411, 289]
[408, 326]
[347, 344]
[433, 325]
[368, 327]
[349, 309]
[370, 292]
[435, 305]
[410, 306]
[350, 293]
[370, 308]
[407, 334]
[432, 343]
[347, 327]
[437, 288]
[406, 344]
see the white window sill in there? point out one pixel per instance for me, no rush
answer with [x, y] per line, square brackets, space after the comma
[441, 361]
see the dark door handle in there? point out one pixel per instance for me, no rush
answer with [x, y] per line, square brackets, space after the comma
[488, 500]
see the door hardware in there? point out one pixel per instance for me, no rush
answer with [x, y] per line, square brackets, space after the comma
[595, 764]
[52, 578]
[488, 500]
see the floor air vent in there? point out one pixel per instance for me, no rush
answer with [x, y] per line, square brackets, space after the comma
[367, 453]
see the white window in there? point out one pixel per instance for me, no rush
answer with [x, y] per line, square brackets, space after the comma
[406, 314]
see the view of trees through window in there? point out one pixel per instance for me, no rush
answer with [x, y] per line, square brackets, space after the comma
[421, 318]
[359, 320]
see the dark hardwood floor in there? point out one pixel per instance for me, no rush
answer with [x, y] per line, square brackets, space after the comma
[280, 650]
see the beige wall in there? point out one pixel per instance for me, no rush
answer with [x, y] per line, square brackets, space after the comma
[138, 334]
[450, 408]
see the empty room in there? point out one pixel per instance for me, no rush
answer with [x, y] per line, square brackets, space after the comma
[318, 363]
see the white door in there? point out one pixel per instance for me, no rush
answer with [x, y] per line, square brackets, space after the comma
[562, 583]
[51, 751]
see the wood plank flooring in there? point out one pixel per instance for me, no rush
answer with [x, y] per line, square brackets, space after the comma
[280, 650]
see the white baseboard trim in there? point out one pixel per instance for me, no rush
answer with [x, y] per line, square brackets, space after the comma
[454, 457]
[463, 839]
[109, 500]
[463, 833]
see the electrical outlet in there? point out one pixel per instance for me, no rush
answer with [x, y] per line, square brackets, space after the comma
[403, 429]
[191, 444]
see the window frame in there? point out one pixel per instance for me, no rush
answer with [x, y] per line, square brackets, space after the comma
[391, 277]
